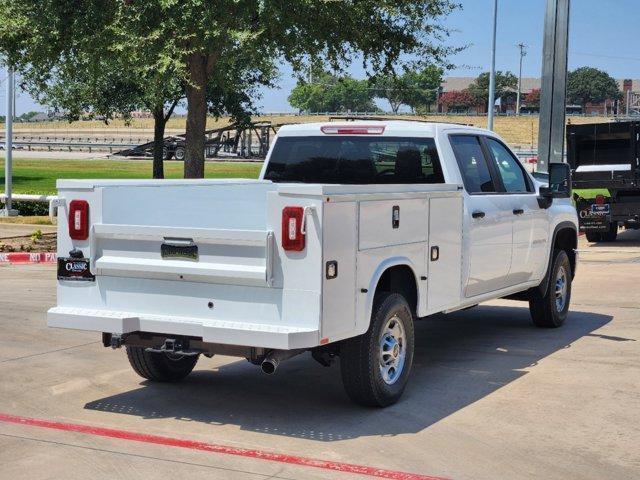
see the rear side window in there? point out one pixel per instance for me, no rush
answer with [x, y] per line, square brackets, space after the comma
[509, 167]
[354, 160]
[472, 163]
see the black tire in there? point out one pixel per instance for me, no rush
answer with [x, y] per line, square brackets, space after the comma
[545, 310]
[166, 155]
[160, 367]
[593, 237]
[360, 357]
[612, 234]
[179, 153]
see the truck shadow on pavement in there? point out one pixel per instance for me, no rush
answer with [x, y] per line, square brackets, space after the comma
[460, 358]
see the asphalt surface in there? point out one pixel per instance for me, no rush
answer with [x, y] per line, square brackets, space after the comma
[490, 397]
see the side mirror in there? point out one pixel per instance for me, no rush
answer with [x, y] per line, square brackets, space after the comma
[560, 180]
[545, 199]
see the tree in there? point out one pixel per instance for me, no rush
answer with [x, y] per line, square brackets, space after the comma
[74, 61]
[331, 93]
[457, 100]
[506, 84]
[423, 89]
[89, 62]
[415, 88]
[532, 99]
[197, 36]
[590, 85]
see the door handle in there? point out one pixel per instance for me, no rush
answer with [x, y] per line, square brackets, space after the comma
[477, 214]
[518, 211]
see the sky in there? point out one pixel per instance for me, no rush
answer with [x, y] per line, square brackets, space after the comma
[603, 34]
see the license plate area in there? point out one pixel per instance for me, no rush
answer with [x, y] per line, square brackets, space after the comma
[75, 269]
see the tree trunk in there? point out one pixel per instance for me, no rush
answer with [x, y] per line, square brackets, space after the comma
[159, 123]
[199, 67]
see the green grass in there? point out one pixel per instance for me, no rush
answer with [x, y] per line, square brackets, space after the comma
[40, 175]
[588, 193]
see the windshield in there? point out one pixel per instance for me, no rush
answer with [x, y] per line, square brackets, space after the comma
[354, 160]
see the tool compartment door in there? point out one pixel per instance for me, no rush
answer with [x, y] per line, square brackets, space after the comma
[444, 255]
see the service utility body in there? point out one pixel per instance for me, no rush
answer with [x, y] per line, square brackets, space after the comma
[353, 231]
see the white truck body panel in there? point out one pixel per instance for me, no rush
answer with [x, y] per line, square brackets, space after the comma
[245, 289]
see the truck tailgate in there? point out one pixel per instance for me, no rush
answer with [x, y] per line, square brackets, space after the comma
[183, 259]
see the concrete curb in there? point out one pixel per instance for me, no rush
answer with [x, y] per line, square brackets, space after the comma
[27, 257]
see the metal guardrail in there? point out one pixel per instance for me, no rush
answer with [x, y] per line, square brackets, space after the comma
[69, 145]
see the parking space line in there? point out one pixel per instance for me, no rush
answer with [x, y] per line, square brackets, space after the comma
[214, 448]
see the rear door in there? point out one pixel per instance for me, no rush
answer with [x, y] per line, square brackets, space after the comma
[489, 216]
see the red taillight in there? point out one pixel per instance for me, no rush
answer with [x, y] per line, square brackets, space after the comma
[600, 199]
[79, 220]
[352, 129]
[292, 236]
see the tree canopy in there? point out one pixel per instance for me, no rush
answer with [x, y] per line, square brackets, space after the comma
[590, 85]
[456, 100]
[415, 88]
[332, 93]
[506, 84]
[88, 62]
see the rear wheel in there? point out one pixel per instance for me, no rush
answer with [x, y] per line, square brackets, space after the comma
[551, 309]
[593, 237]
[166, 155]
[375, 366]
[160, 367]
[179, 153]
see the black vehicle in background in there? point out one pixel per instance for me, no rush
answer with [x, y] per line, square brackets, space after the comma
[606, 177]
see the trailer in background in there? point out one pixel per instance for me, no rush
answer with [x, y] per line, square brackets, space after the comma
[606, 177]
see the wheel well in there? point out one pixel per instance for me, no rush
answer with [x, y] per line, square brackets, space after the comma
[567, 240]
[400, 279]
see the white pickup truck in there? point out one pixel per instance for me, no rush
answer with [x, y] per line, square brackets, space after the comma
[353, 231]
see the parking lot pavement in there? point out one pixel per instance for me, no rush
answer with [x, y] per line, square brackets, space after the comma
[490, 397]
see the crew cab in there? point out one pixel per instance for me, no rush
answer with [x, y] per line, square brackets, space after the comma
[353, 231]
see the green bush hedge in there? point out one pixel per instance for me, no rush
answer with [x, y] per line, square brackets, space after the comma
[29, 209]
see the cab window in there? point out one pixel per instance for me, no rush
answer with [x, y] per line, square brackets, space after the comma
[355, 160]
[509, 168]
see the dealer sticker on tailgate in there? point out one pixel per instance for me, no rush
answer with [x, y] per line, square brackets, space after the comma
[75, 269]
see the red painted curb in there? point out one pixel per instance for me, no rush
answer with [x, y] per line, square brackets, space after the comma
[28, 257]
[213, 448]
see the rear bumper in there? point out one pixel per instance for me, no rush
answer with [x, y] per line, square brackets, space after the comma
[213, 331]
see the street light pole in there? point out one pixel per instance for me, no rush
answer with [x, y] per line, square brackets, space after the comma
[492, 72]
[8, 147]
[523, 52]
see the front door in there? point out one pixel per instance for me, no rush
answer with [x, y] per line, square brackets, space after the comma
[530, 223]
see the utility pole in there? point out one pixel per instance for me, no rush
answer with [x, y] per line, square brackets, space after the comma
[492, 72]
[8, 147]
[554, 84]
[523, 52]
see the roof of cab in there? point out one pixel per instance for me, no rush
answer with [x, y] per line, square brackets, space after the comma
[392, 127]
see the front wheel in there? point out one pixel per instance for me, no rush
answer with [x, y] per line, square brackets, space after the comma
[160, 367]
[551, 309]
[375, 366]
